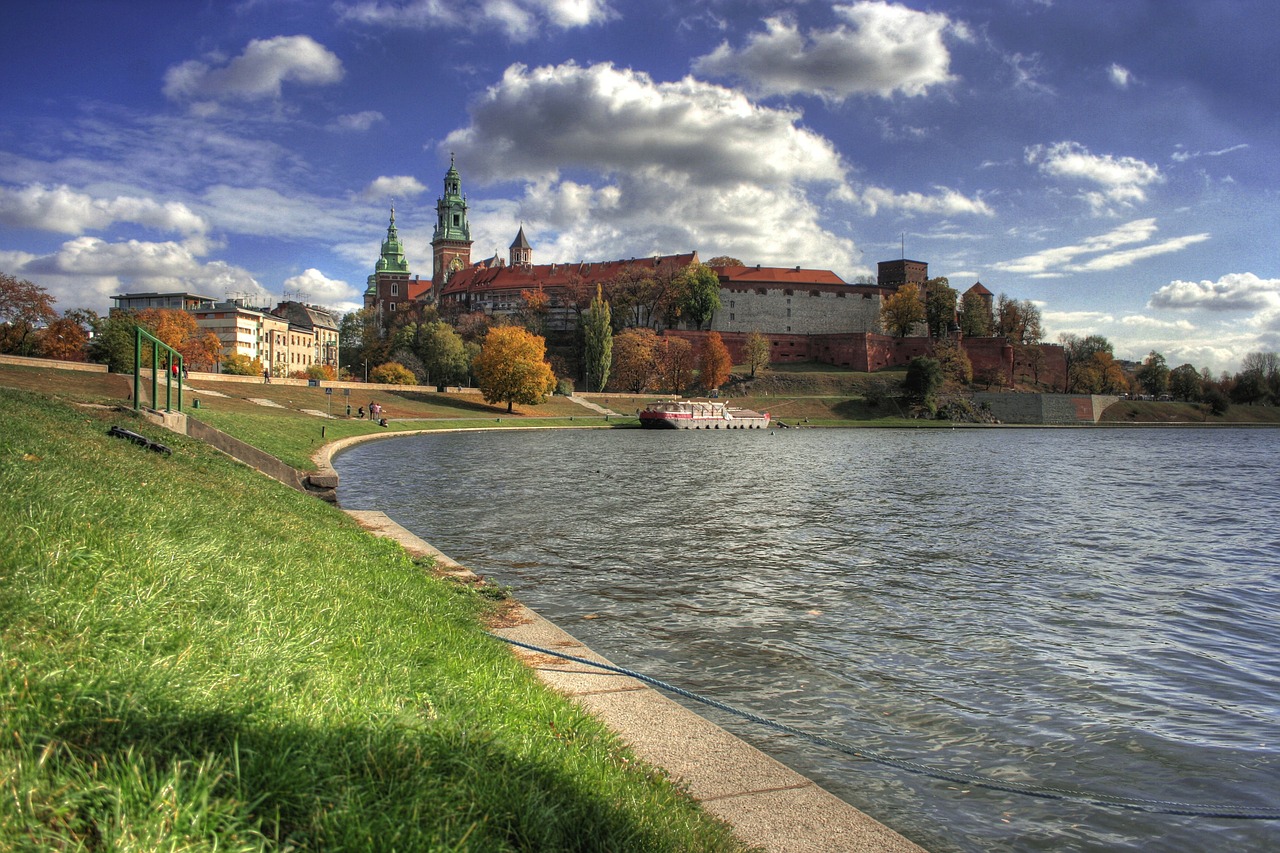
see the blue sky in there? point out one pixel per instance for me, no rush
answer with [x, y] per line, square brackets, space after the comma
[1114, 162]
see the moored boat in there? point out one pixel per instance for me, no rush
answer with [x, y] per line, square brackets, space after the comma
[697, 414]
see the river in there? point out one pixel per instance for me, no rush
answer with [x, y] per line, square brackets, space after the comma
[1091, 609]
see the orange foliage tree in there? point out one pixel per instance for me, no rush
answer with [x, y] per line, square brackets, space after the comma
[713, 361]
[633, 365]
[512, 367]
[64, 339]
[675, 364]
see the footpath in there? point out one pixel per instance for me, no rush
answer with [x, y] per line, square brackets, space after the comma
[767, 803]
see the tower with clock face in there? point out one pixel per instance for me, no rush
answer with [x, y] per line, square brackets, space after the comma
[451, 240]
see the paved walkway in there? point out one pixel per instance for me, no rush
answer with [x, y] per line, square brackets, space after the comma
[767, 803]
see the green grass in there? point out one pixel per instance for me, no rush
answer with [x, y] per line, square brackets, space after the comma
[194, 657]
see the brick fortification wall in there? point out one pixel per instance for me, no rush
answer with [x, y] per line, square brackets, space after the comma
[798, 309]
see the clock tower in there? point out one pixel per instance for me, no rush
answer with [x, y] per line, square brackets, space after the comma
[451, 240]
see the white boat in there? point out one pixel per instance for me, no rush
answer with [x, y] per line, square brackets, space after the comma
[696, 414]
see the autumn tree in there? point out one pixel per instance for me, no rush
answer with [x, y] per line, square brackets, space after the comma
[392, 373]
[713, 361]
[597, 333]
[512, 367]
[757, 352]
[902, 310]
[975, 316]
[939, 306]
[954, 361]
[535, 308]
[675, 363]
[634, 359]
[696, 294]
[24, 308]
[66, 338]
[1078, 353]
[723, 261]
[1018, 320]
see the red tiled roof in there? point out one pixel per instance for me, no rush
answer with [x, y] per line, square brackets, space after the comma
[979, 289]
[527, 277]
[776, 275]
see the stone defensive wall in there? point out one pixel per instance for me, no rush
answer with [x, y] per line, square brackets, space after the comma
[802, 308]
[1046, 409]
[51, 362]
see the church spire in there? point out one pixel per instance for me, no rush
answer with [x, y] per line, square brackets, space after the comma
[451, 241]
[392, 256]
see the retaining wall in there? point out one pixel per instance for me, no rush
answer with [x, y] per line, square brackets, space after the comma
[1046, 409]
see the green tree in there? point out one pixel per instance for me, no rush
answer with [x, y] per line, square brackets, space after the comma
[443, 354]
[902, 310]
[237, 364]
[392, 373]
[975, 316]
[512, 367]
[24, 308]
[697, 290]
[361, 341]
[1185, 383]
[921, 384]
[757, 352]
[714, 362]
[597, 333]
[635, 359]
[1153, 374]
[939, 306]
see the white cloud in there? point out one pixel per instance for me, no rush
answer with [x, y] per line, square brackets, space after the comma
[945, 202]
[393, 186]
[63, 210]
[1062, 259]
[1123, 180]
[1184, 156]
[1232, 292]
[653, 168]
[517, 20]
[885, 49]
[1141, 321]
[86, 271]
[314, 287]
[1120, 76]
[358, 122]
[257, 73]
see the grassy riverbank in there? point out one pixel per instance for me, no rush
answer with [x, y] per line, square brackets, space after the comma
[195, 657]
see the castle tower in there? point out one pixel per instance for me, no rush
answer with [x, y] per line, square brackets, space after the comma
[388, 287]
[451, 240]
[521, 253]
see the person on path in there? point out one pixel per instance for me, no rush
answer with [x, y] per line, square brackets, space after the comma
[266, 376]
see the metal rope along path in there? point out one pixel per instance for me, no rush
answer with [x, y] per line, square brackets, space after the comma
[1231, 812]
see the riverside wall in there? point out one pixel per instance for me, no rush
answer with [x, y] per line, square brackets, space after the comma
[1046, 409]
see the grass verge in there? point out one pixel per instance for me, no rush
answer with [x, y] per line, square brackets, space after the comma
[194, 657]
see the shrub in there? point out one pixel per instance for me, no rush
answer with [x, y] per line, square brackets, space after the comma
[392, 373]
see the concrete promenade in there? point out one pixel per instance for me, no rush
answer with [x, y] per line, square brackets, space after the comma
[768, 804]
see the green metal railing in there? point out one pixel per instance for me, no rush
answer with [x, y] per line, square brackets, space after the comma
[173, 370]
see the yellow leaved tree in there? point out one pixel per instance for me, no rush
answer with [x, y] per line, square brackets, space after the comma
[512, 367]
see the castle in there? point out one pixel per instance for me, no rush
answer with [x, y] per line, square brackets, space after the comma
[806, 314]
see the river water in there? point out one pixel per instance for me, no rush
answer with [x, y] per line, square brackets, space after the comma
[1091, 609]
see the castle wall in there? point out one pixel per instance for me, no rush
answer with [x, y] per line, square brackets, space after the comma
[797, 310]
[1046, 409]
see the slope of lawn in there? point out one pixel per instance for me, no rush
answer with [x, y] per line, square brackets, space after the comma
[195, 657]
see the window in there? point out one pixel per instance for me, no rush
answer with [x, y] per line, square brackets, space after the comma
[395, 289]
[787, 291]
[730, 316]
[392, 306]
[815, 292]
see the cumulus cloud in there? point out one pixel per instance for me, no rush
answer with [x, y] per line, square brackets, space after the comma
[611, 120]
[63, 210]
[313, 286]
[1123, 180]
[257, 73]
[1232, 292]
[393, 186]
[1106, 251]
[651, 167]
[884, 49]
[358, 122]
[1120, 76]
[517, 20]
[86, 271]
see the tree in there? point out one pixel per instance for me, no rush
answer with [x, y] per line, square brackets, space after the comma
[1019, 321]
[443, 353]
[112, 342]
[902, 310]
[361, 340]
[512, 367]
[1264, 368]
[674, 360]
[237, 364]
[597, 333]
[535, 309]
[697, 294]
[64, 339]
[921, 384]
[714, 362]
[1079, 353]
[939, 306]
[1184, 383]
[392, 373]
[975, 316]
[724, 261]
[1153, 374]
[24, 307]
[757, 352]
[634, 359]
[954, 361]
